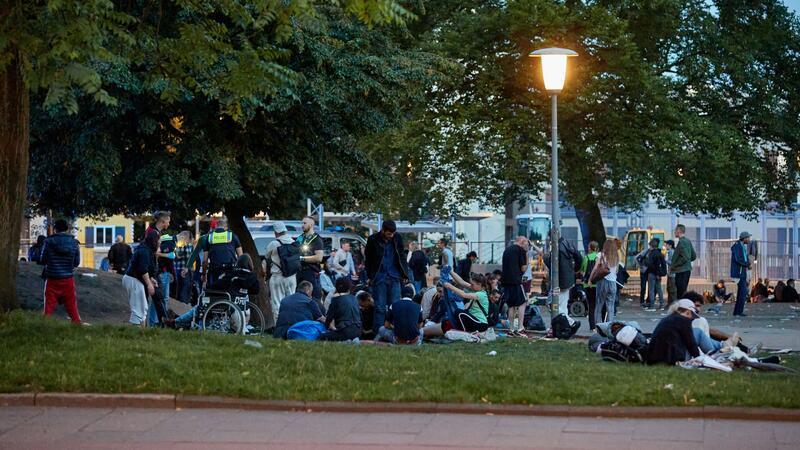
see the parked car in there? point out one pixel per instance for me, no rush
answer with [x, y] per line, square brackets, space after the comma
[330, 240]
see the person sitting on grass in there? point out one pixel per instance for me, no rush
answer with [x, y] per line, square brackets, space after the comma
[296, 308]
[344, 313]
[673, 339]
[403, 323]
[474, 317]
[367, 310]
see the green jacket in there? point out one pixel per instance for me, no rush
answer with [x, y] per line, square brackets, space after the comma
[591, 257]
[683, 256]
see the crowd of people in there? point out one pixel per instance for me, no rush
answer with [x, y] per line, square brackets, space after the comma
[384, 295]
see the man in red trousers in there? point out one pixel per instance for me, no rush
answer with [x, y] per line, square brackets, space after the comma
[60, 257]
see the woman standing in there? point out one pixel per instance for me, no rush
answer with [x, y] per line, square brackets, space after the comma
[607, 286]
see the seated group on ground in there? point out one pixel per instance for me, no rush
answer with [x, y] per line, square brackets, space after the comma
[680, 336]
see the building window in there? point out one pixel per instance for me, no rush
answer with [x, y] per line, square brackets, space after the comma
[103, 235]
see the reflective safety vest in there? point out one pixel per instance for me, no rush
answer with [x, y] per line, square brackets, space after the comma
[219, 238]
[221, 250]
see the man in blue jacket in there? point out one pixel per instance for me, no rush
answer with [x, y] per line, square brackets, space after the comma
[60, 257]
[740, 263]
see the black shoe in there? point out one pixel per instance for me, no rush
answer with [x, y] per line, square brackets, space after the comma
[740, 315]
[575, 326]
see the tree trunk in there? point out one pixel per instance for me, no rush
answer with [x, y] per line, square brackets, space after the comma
[592, 221]
[14, 121]
[239, 227]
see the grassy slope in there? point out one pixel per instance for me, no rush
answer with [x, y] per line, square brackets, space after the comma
[46, 355]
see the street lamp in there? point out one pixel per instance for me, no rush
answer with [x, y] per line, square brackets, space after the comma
[554, 70]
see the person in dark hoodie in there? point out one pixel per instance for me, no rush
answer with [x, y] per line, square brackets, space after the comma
[60, 257]
[673, 339]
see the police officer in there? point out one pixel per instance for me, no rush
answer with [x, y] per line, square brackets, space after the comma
[311, 254]
[220, 252]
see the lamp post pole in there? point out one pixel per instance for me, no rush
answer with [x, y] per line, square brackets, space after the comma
[555, 231]
[554, 72]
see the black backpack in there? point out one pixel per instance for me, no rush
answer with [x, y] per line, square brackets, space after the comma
[289, 254]
[561, 328]
[661, 265]
[533, 319]
[616, 352]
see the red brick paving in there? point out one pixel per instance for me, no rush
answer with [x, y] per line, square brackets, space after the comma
[28, 427]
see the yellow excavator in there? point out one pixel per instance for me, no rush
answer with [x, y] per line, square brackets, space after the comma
[636, 241]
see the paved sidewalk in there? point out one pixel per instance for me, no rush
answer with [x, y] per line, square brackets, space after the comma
[90, 428]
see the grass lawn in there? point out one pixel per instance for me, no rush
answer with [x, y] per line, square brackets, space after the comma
[45, 355]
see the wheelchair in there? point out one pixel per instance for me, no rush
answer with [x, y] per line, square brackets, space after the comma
[218, 312]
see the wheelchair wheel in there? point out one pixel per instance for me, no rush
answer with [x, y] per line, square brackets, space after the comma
[224, 317]
[256, 325]
[577, 309]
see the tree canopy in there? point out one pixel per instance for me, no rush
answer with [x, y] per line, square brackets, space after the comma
[232, 56]
[691, 105]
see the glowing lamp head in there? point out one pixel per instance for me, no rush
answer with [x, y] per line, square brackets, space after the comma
[304, 248]
[554, 67]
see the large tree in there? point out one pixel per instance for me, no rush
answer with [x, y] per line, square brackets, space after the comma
[303, 141]
[694, 106]
[232, 52]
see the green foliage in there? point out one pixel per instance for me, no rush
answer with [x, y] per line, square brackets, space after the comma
[43, 355]
[178, 149]
[693, 106]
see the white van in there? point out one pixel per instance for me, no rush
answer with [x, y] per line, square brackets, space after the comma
[330, 240]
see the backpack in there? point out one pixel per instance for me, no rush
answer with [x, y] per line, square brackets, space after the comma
[289, 255]
[561, 328]
[533, 319]
[614, 351]
[661, 265]
[307, 330]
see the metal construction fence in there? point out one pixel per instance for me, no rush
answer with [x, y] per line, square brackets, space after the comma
[772, 260]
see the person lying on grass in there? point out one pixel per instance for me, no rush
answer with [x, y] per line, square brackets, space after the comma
[474, 316]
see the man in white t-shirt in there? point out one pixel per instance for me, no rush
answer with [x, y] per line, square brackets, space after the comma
[279, 286]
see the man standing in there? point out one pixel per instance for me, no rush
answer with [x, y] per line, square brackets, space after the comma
[682, 261]
[515, 261]
[656, 268]
[119, 255]
[446, 258]
[672, 290]
[418, 263]
[280, 286]
[740, 264]
[311, 254]
[342, 262]
[641, 262]
[386, 267]
[221, 251]
[153, 233]
[568, 259]
[465, 265]
[591, 290]
[60, 257]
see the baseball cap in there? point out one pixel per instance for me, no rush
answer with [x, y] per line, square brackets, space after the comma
[279, 227]
[744, 235]
[626, 335]
[685, 303]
